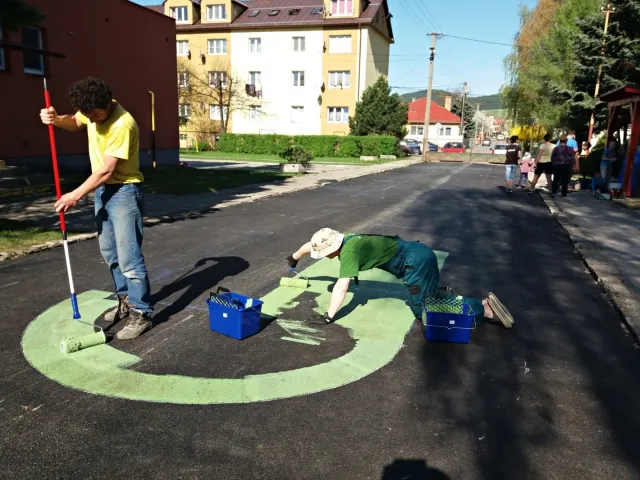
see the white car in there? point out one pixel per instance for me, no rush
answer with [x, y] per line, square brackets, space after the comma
[500, 149]
[500, 137]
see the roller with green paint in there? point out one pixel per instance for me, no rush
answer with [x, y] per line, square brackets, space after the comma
[301, 282]
[70, 344]
[73, 344]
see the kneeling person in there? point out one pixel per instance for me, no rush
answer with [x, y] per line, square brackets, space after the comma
[415, 263]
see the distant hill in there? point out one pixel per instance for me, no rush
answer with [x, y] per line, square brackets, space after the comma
[486, 102]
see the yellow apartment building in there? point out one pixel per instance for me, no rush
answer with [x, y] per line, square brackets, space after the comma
[276, 66]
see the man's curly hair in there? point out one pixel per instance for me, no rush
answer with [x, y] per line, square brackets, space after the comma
[90, 93]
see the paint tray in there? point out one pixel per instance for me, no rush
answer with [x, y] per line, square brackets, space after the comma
[234, 315]
[449, 319]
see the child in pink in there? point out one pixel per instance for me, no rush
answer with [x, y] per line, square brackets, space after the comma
[525, 167]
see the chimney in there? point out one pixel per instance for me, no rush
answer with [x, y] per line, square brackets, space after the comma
[447, 102]
[413, 99]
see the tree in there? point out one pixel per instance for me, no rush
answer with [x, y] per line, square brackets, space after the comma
[16, 13]
[204, 87]
[620, 64]
[379, 112]
[468, 125]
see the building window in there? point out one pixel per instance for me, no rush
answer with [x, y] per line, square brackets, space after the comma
[415, 130]
[217, 46]
[182, 137]
[447, 131]
[181, 14]
[255, 78]
[184, 110]
[214, 112]
[182, 47]
[255, 45]
[341, 7]
[183, 79]
[298, 79]
[340, 44]
[33, 62]
[297, 114]
[340, 79]
[254, 112]
[216, 12]
[218, 79]
[3, 66]
[299, 44]
[338, 115]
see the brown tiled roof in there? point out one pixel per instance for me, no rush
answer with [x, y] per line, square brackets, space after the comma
[156, 8]
[304, 18]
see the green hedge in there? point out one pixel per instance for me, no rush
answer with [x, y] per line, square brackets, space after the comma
[316, 145]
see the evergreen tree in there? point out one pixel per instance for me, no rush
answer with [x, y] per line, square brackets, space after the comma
[379, 112]
[16, 13]
[620, 63]
[469, 124]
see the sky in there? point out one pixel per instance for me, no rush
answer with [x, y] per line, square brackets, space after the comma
[457, 61]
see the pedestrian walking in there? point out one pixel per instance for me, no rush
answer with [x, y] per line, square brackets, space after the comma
[543, 163]
[512, 158]
[609, 156]
[563, 159]
[414, 262]
[116, 180]
[525, 168]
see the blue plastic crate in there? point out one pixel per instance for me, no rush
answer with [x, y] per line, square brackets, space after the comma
[449, 319]
[234, 319]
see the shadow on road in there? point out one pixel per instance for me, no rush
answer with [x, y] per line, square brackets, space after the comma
[412, 470]
[196, 281]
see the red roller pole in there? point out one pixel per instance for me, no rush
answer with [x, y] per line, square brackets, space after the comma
[63, 227]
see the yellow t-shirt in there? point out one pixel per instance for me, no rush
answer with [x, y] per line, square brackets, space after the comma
[546, 148]
[117, 137]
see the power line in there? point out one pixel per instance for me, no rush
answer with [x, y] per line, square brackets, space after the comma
[479, 41]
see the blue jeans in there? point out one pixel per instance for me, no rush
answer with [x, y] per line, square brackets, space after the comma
[510, 172]
[118, 211]
[417, 265]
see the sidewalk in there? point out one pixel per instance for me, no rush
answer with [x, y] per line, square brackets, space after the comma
[607, 237]
[38, 209]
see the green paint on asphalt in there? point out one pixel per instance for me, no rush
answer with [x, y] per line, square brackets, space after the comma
[378, 326]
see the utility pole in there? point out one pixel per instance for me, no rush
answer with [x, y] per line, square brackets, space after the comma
[427, 113]
[608, 10]
[465, 91]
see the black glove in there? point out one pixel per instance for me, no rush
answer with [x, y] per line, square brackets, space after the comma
[293, 263]
[317, 319]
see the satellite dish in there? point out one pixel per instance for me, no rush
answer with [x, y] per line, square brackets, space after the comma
[438, 125]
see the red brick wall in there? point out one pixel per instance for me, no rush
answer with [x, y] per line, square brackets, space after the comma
[131, 47]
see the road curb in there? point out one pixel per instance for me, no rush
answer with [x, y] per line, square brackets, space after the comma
[602, 270]
[193, 214]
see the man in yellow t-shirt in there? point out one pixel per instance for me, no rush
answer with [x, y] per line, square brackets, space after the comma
[116, 179]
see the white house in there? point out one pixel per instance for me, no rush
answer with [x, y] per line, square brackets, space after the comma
[449, 130]
[286, 69]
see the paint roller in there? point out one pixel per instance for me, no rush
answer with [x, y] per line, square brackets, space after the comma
[302, 282]
[72, 344]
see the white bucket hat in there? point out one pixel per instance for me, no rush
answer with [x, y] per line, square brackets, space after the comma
[325, 242]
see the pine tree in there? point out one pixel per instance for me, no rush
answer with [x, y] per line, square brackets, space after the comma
[379, 112]
[469, 124]
[620, 63]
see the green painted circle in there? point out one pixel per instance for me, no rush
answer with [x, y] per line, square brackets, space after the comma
[378, 328]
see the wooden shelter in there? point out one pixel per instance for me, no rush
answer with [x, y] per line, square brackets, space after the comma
[616, 100]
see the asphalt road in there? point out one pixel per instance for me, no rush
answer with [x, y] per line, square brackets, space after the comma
[556, 397]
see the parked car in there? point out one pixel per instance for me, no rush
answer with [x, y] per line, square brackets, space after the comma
[453, 147]
[410, 146]
[500, 137]
[486, 142]
[500, 149]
